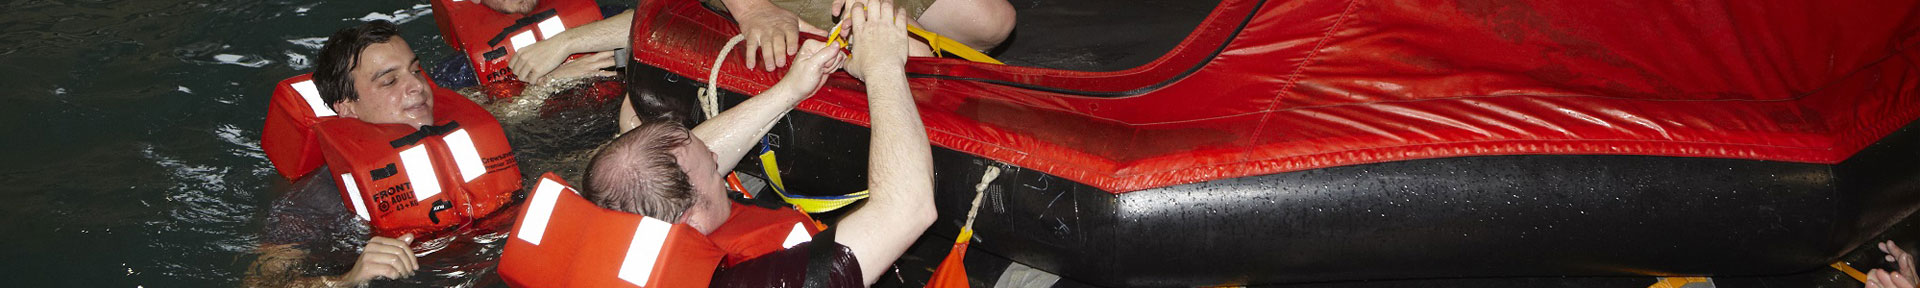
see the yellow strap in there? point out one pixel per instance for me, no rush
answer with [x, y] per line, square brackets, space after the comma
[1677, 282]
[772, 168]
[1842, 266]
[944, 44]
[770, 165]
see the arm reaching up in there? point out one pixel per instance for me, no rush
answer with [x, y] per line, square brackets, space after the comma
[734, 131]
[900, 174]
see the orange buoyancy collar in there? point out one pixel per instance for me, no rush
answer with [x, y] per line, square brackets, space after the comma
[425, 180]
[287, 138]
[563, 240]
[752, 231]
[490, 38]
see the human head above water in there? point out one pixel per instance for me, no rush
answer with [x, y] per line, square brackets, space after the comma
[659, 170]
[367, 72]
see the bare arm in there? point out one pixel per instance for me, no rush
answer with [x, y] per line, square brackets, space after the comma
[734, 131]
[901, 161]
[278, 267]
[381, 258]
[533, 62]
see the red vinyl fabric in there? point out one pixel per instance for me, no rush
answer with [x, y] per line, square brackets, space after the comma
[1267, 86]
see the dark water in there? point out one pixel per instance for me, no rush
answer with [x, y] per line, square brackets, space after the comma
[132, 132]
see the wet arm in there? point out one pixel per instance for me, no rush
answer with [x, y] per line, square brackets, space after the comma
[901, 178]
[278, 266]
[735, 130]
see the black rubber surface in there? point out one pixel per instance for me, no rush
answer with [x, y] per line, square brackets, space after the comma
[1098, 35]
[1448, 218]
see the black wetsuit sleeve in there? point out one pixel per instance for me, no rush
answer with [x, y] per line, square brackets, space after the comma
[788, 269]
[310, 214]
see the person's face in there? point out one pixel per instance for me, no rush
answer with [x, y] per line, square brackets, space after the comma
[510, 6]
[710, 210]
[390, 86]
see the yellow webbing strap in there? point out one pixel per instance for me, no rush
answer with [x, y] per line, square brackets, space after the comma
[809, 204]
[944, 44]
[939, 44]
[1842, 266]
[1677, 282]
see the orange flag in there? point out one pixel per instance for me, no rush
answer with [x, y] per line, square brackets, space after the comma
[952, 272]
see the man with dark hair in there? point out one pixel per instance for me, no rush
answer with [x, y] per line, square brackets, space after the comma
[667, 172]
[365, 72]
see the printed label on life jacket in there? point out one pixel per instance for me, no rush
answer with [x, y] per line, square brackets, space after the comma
[648, 239]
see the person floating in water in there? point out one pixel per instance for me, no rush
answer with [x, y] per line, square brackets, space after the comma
[370, 78]
[664, 171]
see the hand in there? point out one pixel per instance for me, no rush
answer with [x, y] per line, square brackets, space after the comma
[590, 66]
[383, 258]
[1901, 260]
[811, 67]
[770, 30]
[1882, 279]
[536, 60]
[880, 31]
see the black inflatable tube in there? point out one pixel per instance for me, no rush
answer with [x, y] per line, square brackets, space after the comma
[1465, 217]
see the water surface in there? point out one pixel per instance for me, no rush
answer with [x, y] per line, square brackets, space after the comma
[132, 132]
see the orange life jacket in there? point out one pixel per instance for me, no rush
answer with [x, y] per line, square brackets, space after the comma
[563, 240]
[426, 180]
[287, 138]
[490, 38]
[398, 178]
[752, 231]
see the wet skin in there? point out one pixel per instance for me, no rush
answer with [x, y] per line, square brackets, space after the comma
[392, 90]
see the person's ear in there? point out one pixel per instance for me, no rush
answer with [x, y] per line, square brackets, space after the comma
[345, 109]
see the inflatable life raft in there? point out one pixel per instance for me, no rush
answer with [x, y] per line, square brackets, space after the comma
[426, 181]
[1325, 140]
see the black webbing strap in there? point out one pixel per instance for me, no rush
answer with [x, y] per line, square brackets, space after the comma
[820, 259]
[424, 131]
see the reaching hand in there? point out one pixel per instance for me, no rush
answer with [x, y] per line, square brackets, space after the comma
[590, 66]
[1901, 260]
[810, 68]
[770, 30]
[536, 60]
[384, 258]
[880, 34]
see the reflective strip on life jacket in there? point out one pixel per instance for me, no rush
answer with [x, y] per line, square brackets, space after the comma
[465, 155]
[353, 191]
[539, 210]
[799, 235]
[312, 95]
[550, 27]
[648, 239]
[426, 184]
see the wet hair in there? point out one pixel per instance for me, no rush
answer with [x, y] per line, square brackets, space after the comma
[638, 173]
[333, 76]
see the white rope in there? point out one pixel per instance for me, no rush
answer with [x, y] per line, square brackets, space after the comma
[710, 98]
[981, 190]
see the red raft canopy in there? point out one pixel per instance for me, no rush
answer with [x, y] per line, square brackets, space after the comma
[1325, 140]
[1262, 87]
